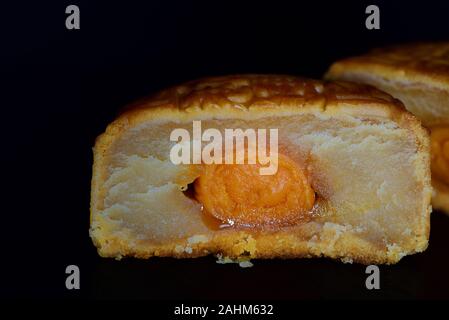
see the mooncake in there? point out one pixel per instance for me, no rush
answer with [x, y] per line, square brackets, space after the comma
[418, 75]
[348, 175]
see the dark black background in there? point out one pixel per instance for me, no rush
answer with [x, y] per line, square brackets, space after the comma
[61, 87]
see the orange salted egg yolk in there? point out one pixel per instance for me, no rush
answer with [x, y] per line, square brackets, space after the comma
[439, 138]
[238, 194]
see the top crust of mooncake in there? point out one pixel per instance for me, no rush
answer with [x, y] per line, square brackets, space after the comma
[425, 63]
[243, 92]
[257, 96]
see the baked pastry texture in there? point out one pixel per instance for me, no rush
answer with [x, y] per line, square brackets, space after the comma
[418, 75]
[353, 181]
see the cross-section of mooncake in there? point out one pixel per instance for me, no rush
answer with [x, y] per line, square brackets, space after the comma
[352, 178]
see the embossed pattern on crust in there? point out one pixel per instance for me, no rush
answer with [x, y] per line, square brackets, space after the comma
[245, 91]
[419, 62]
[424, 57]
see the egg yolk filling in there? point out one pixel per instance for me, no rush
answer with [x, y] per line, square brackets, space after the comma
[237, 194]
[439, 138]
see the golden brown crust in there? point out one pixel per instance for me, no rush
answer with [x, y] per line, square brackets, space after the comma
[244, 92]
[243, 245]
[250, 97]
[425, 63]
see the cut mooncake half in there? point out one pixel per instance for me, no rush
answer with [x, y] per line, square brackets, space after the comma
[418, 75]
[352, 178]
